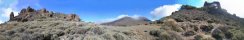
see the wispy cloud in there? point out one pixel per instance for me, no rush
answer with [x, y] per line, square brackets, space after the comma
[7, 11]
[116, 18]
[165, 10]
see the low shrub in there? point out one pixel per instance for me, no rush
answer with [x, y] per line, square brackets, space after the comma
[169, 36]
[2, 37]
[237, 34]
[202, 37]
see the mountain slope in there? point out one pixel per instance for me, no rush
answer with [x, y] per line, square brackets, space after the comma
[206, 23]
[189, 23]
[34, 24]
[128, 21]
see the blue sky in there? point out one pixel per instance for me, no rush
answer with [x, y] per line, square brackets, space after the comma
[94, 10]
[100, 10]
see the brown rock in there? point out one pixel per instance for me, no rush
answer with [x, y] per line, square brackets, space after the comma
[73, 17]
[26, 12]
[23, 11]
[43, 10]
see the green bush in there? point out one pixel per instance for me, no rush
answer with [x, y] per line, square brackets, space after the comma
[120, 36]
[202, 37]
[165, 36]
[155, 32]
[237, 34]
[169, 36]
[2, 37]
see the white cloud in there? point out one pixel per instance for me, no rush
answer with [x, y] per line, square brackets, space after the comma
[121, 16]
[7, 11]
[116, 18]
[1, 22]
[232, 6]
[165, 10]
[7, 7]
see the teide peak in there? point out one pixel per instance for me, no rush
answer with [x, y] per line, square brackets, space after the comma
[129, 21]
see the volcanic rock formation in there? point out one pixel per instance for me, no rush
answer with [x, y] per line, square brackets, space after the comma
[30, 14]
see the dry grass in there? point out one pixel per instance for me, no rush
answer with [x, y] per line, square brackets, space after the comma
[10, 26]
[172, 24]
[203, 37]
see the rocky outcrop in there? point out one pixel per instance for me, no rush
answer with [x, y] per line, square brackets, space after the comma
[73, 17]
[30, 14]
[215, 5]
[215, 9]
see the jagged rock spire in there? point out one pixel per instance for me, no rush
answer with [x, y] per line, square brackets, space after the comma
[29, 9]
[11, 16]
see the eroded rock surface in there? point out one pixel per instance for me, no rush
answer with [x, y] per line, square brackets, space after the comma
[30, 14]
